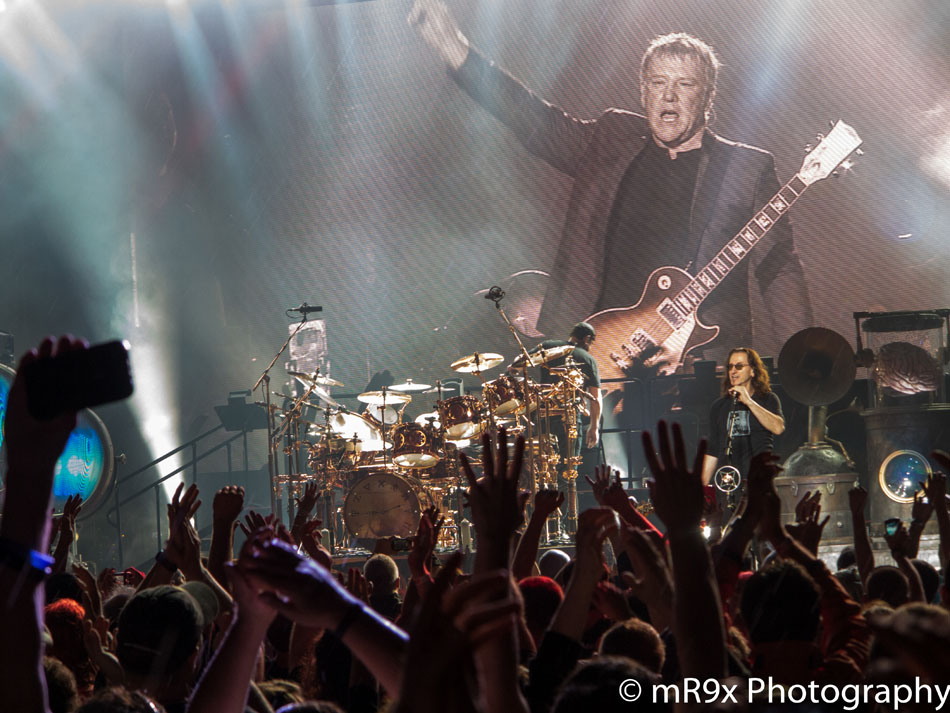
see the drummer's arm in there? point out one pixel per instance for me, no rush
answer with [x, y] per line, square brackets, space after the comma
[596, 406]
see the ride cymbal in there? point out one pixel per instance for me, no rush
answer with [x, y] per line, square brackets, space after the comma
[383, 398]
[410, 387]
[475, 363]
[544, 356]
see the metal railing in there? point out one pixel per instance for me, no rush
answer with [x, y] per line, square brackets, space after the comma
[121, 499]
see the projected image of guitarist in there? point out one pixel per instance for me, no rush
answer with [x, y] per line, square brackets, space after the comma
[654, 195]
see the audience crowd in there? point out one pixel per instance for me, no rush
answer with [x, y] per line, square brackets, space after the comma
[742, 617]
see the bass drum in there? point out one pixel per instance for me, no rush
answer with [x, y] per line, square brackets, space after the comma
[383, 503]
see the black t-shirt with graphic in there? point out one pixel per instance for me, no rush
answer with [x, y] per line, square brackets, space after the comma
[749, 436]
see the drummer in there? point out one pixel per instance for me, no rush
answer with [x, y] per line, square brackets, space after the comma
[581, 337]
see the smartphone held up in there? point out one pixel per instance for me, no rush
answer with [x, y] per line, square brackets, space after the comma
[78, 379]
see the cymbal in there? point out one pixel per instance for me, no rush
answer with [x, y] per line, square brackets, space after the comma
[315, 378]
[380, 398]
[410, 387]
[544, 356]
[475, 363]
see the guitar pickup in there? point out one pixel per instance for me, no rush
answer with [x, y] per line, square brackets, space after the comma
[671, 314]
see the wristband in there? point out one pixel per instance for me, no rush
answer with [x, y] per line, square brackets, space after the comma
[36, 565]
[163, 560]
[349, 618]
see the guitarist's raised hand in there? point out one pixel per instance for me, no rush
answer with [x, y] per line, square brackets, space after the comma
[640, 369]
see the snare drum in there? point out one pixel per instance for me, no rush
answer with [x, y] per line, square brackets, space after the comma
[383, 503]
[462, 417]
[415, 446]
[504, 395]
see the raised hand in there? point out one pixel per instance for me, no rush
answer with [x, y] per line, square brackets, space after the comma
[305, 505]
[922, 508]
[358, 586]
[254, 521]
[676, 489]
[183, 547]
[297, 587]
[452, 623]
[182, 507]
[763, 469]
[600, 483]
[497, 508]
[67, 521]
[807, 530]
[593, 527]
[547, 502]
[808, 503]
[228, 503]
[90, 587]
[936, 485]
[653, 579]
[423, 545]
[611, 601]
[857, 500]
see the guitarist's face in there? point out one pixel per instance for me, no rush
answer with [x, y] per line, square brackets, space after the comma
[674, 98]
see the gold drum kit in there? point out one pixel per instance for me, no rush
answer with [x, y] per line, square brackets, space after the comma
[388, 468]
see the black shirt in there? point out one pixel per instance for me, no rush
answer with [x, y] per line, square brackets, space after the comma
[649, 222]
[588, 364]
[749, 438]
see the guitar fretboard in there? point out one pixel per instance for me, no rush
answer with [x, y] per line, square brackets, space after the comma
[690, 297]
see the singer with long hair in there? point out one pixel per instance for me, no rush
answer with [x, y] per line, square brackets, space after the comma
[744, 421]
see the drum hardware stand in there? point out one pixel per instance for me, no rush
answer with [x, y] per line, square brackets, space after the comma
[496, 295]
[264, 379]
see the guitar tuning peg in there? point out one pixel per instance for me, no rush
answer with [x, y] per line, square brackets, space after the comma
[858, 152]
[808, 148]
[819, 137]
[831, 123]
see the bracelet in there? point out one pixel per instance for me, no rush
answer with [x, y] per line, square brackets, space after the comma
[349, 618]
[163, 560]
[36, 565]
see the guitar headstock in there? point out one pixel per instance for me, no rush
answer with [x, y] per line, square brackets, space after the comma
[833, 150]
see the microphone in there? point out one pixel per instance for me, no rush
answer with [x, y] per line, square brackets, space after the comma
[305, 309]
[495, 294]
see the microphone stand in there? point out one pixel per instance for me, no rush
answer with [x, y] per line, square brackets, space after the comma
[496, 295]
[264, 379]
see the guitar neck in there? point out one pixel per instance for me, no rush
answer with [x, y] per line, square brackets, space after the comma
[717, 269]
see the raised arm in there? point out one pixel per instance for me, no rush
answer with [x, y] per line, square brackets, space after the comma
[857, 500]
[307, 593]
[226, 509]
[542, 128]
[32, 449]
[677, 494]
[546, 503]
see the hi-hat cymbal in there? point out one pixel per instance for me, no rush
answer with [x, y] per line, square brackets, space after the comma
[410, 387]
[384, 398]
[544, 356]
[475, 363]
[315, 378]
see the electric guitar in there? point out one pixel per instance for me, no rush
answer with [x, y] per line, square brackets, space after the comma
[663, 325]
